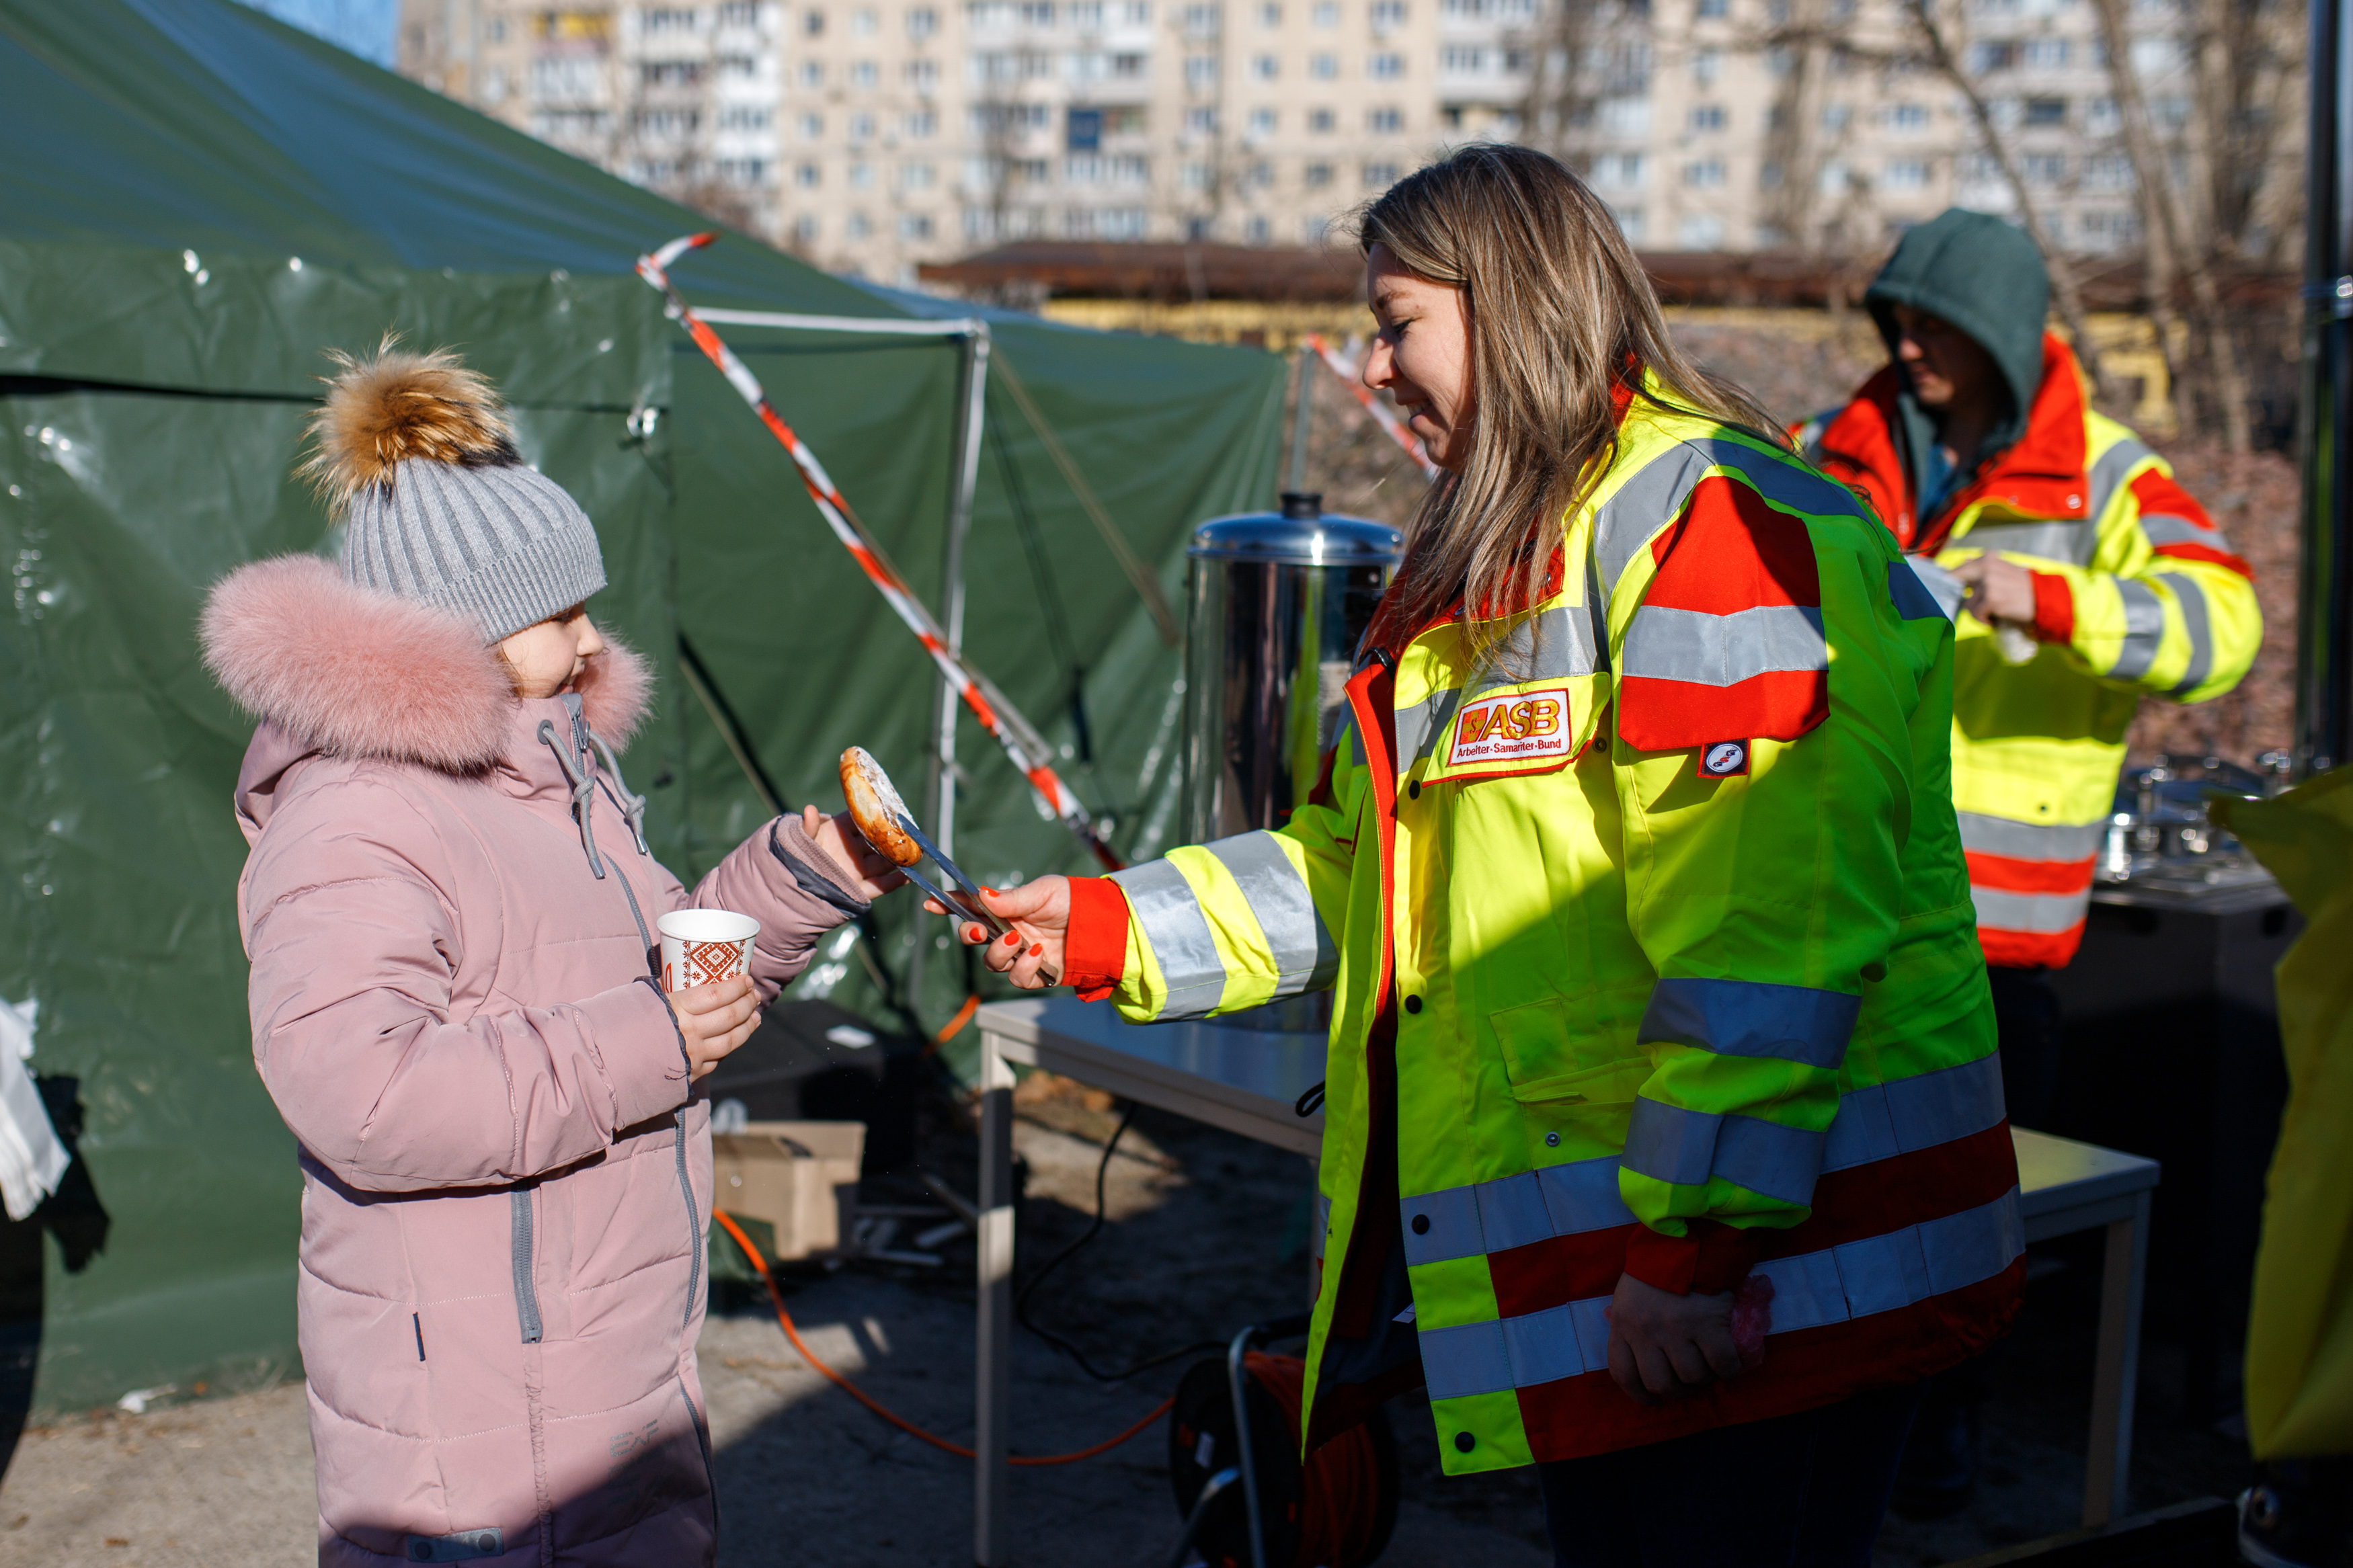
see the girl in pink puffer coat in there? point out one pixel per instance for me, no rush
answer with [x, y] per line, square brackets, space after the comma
[449, 906]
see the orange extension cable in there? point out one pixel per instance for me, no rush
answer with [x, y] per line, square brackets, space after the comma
[900, 1422]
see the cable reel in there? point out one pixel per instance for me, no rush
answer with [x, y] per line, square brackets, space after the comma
[1337, 1511]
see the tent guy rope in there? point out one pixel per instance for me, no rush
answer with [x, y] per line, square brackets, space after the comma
[1022, 743]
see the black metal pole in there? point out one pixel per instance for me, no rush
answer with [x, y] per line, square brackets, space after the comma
[2324, 662]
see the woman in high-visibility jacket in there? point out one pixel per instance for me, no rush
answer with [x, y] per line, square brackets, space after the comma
[1635, 870]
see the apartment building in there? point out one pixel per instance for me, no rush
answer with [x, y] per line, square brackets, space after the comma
[871, 135]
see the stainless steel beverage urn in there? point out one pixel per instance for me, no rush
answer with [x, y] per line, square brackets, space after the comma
[1275, 605]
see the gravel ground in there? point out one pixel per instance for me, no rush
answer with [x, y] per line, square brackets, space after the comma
[1202, 1240]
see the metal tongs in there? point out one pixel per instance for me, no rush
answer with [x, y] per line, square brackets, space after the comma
[970, 903]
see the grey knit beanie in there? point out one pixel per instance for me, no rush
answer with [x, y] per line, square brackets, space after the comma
[500, 541]
[415, 453]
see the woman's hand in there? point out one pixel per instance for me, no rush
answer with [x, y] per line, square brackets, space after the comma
[1998, 590]
[1663, 1346]
[714, 1019]
[1040, 914]
[869, 872]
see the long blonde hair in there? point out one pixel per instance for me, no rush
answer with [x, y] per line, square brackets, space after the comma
[1561, 313]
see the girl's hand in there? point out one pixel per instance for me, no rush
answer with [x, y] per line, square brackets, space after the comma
[1040, 914]
[715, 1019]
[852, 855]
[1663, 1346]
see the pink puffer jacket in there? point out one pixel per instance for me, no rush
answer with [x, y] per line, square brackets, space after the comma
[506, 1176]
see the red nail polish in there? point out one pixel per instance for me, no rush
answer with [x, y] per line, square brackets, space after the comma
[1013, 939]
[1037, 948]
[990, 892]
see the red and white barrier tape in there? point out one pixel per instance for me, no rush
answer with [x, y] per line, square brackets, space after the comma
[1021, 739]
[1383, 414]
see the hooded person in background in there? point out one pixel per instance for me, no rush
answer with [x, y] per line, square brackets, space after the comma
[2088, 578]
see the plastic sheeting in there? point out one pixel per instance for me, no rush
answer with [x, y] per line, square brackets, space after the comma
[2299, 1384]
[171, 162]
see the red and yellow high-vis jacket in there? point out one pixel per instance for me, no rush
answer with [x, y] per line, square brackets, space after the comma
[2136, 592]
[1652, 952]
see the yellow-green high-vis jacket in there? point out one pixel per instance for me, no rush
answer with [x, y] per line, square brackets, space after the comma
[1653, 953]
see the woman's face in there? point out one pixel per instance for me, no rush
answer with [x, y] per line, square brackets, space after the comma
[1421, 355]
[546, 658]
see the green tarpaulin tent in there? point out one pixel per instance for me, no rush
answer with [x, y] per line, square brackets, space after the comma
[196, 202]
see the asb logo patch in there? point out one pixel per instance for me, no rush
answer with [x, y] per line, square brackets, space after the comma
[1519, 726]
[1724, 760]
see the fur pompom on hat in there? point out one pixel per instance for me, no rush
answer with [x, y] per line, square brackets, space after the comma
[415, 452]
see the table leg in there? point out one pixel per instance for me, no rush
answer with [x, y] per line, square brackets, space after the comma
[2116, 1366]
[995, 1326]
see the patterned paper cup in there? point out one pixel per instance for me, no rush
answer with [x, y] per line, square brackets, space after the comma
[699, 946]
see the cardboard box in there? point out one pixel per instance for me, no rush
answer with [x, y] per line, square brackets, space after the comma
[799, 1176]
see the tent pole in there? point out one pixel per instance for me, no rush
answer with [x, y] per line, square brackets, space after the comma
[971, 406]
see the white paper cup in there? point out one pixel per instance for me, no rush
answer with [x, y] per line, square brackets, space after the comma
[699, 946]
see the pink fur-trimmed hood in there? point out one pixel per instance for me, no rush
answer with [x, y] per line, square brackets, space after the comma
[351, 673]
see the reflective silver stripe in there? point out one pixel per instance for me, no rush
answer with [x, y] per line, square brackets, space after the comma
[2026, 841]
[1883, 1273]
[1921, 588]
[1556, 645]
[1921, 1111]
[1809, 438]
[1304, 955]
[1164, 905]
[2199, 624]
[1837, 1284]
[2144, 629]
[2166, 528]
[2114, 469]
[1467, 1359]
[1748, 1018]
[1665, 643]
[1513, 1211]
[1656, 493]
[1669, 1143]
[2073, 542]
[2043, 913]
[1874, 1123]
[1420, 727]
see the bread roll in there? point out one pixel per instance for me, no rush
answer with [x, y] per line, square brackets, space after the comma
[876, 807]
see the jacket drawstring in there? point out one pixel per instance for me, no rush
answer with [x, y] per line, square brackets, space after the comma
[579, 774]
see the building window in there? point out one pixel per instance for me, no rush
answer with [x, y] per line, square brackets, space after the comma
[1135, 13]
[861, 176]
[922, 21]
[1380, 176]
[813, 23]
[1319, 120]
[2044, 169]
[1699, 231]
[1711, 10]
[1201, 72]
[1629, 223]
[1324, 68]
[1389, 16]
[806, 229]
[1832, 181]
[812, 74]
[1195, 176]
[1706, 173]
[862, 128]
[1262, 123]
[1993, 55]
[1201, 21]
[1202, 122]
[1904, 175]
[920, 125]
[2108, 171]
[666, 19]
[1325, 15]
[812, 127]
[864, 74]
[1269, 14]
[1083, 131]
[1319, 175]
[1835, 116]
[1256, 231]
[922, 75]
[1384, 66]
[917, 176]
[1618, 171]
[862, 22]
[2046, 111]
[1263, 67]
[914, 225]
[1904, 116]
[1129, 67]
[859, 226]
[2045, 54]
[807, 176]
[1708, 117]
[1385, 123]
[744, 171]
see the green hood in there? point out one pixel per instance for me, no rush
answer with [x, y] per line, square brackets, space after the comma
[1985, 276]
